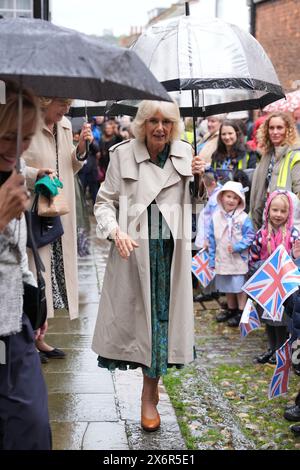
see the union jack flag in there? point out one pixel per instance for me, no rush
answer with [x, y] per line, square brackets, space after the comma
[249, 320]
[273, 282]
[280, 380]
[201, 269]
[278, 316]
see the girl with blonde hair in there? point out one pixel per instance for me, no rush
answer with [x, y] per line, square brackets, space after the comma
[277, 230]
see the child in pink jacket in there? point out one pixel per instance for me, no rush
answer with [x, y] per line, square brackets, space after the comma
[278, 229]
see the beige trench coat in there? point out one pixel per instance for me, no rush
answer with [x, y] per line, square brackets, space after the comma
[123, 327]
[42, 154]
[211, 143]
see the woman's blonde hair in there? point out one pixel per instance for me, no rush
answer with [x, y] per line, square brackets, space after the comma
[263, 137]
[45, 102]
[9, 110]
[147, 109]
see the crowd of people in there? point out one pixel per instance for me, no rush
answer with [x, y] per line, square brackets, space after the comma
[238, 236]
[138, 178]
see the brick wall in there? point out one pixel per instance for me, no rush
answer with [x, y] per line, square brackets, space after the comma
[278, 31]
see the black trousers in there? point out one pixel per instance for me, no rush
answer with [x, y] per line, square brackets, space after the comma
[24, 419]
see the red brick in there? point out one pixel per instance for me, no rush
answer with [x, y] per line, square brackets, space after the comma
[278, 31]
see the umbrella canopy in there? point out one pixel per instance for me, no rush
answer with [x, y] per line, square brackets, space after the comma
[55, 61]
[289, 103]
[225, 66]
[82, 108]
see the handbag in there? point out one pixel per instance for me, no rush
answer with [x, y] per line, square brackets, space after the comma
[34, 298]
[53, 206]
[45, 230]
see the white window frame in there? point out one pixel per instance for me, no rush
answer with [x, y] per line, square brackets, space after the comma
[16, 11]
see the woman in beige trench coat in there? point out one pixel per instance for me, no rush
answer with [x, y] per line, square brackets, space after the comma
[59, 258]
[144, 206]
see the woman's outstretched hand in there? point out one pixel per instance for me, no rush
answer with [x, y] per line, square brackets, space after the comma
[124, 244]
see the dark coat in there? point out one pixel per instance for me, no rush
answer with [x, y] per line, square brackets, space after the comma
[292, 309]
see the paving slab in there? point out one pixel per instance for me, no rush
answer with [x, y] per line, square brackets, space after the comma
[83, 324]
[68, 436]
[104, 436]
[76, 361]
[87, 277]
[74, 407]
[88, 310]
[69, 340]
[89, 296]
[168, 436]
[62, 382]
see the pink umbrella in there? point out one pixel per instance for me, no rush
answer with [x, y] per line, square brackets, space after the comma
[290, 103]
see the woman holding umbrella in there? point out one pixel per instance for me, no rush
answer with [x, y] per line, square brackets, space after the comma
[52, 146]
[146, 308]
[279, 166]
[24, 420]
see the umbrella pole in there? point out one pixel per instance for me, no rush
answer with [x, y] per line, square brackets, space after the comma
[87, 144]
[19, 129]
[196, 177]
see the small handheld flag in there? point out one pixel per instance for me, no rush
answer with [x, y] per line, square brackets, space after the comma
[249, 320]
[201, 269]
[274, 282]
[280, 380]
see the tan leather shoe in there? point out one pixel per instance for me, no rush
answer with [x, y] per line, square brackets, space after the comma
[148, 423]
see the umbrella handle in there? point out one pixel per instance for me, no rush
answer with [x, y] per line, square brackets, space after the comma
[19, 131]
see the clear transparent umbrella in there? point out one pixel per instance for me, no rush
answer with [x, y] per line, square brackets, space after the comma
[224, 66]
[210, 67]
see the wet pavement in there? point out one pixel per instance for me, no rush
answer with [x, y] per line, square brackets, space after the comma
[92, 408]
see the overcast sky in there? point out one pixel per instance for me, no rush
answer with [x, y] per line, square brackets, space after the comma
[94, 16]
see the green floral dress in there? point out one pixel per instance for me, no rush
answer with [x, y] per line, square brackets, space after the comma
[161, 251]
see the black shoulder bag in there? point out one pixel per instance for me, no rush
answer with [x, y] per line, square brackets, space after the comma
[34, 298]
[46, 230]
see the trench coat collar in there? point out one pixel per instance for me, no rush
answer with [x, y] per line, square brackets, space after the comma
[151, 179]
[65, 123]
[178, 153]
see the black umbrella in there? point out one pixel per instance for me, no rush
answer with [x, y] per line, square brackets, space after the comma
[60, 62]
[55, 61]
[88, 109]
